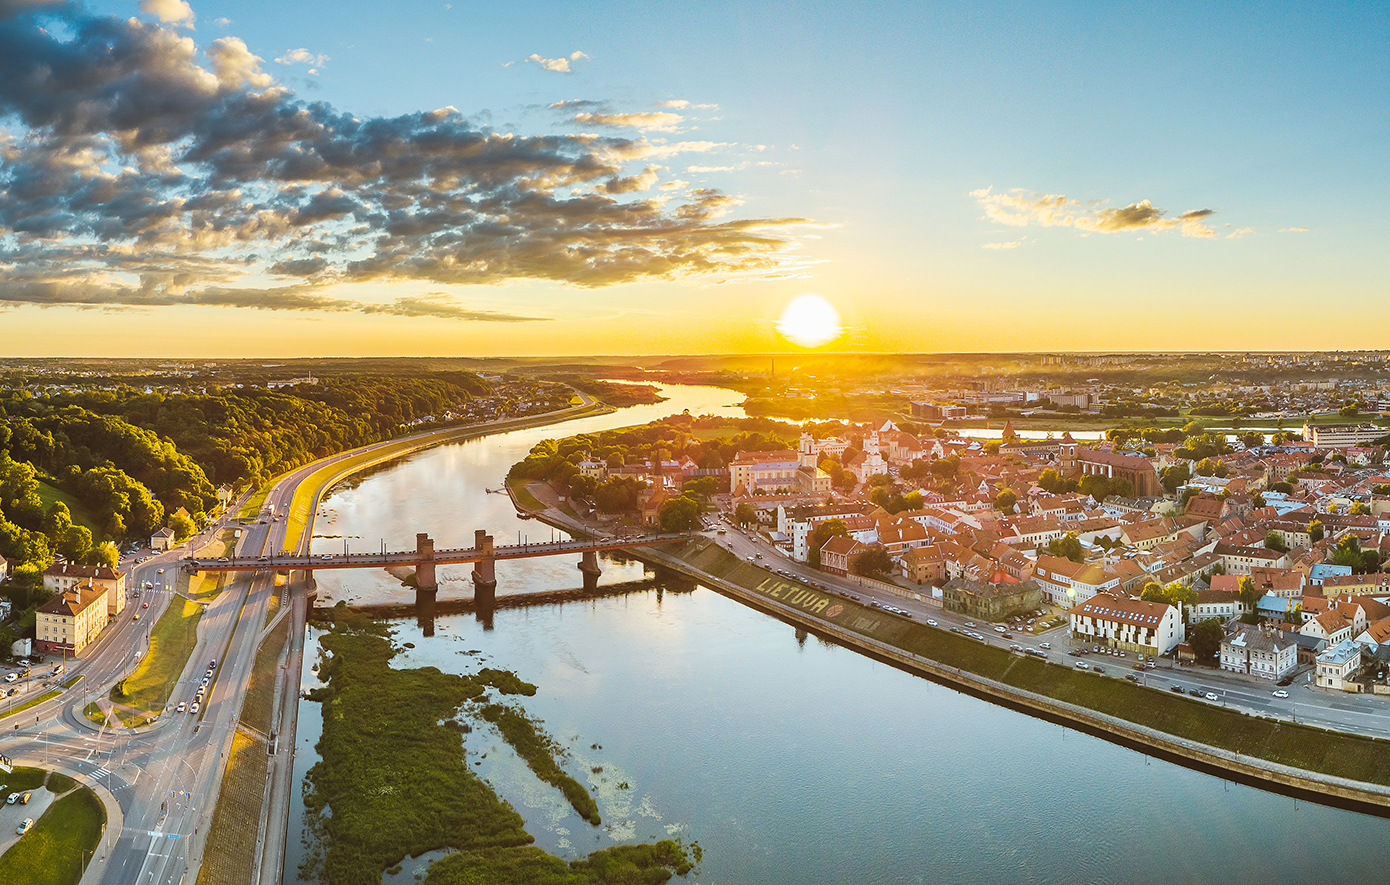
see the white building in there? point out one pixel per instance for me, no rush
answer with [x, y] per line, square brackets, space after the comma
[1337, 665]
[1264, 653]
[1340, 436]
[1128, 624]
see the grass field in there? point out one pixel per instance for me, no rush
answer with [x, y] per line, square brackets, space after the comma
[260, 693]
[80, 514]
[524, 496]
[151, 685]
[230, 855]
[57, 849]
[252, 508]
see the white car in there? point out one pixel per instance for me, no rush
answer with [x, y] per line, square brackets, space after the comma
[194, 708]
[1045, 645]
[10, 677]
[1281, 693]
[181, 707]
[930, 622]
[24, 826]
[1211, 696]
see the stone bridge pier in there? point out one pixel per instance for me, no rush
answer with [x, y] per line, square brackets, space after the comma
[484, 571]
[426, 584]
[588, 566]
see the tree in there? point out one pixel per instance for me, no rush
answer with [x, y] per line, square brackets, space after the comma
[1315, 531]
[1275, 541]
[1249, 594]
[1069, 546]
[745, 515]
[1350, 410]
[76, 544]
[1005, 500]
[704, 486]
[873, 561]
[618, 494]
[992, 447]
[679, 514]
[582, 485]
[1282, 488]
[1360, 508]
[822, 533]
[1211, 467]
[104, 553]
[1257, 500]
[1175, 476]
[1052, 481]
[182, 527]
[1348, 552]
[1206, 638]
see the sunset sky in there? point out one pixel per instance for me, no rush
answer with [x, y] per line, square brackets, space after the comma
[343, 178]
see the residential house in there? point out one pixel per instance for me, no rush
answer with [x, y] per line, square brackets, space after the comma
[1337, 665]
[62, 576]
[163, 539]
[1269, 654]
[838, 553]
[1128, 624]
[70, 620]
[1066, 583]
[1222, 604]
[1334, 586]
[990, 600]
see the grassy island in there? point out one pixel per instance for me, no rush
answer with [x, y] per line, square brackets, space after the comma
[393, 781]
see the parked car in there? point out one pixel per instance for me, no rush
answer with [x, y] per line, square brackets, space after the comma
[1175, 688]
[930, 622]
[1281, 693]
[1195, 692]
[1211, 696]
[24, 826]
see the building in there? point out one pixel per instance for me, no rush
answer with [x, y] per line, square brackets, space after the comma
[1268, 654]
[1337, 665]
[162, 539]
[1128, 624]
[838, 553]
[1224, 605]
[1078, 462]
[990, 601]
[1340, 436]
[1066, 583]
[70, 620]
[1355, 585]
[62, 576]
[781, 472]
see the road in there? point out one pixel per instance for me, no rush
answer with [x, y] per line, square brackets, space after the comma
[166, 777]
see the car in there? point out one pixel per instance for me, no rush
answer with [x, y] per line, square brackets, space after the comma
[1150, 665]
[1195, 692]
[999, 630]
[24, 826]
[194, 708]
[180, 707]
[212, 664]
[1098, 669]
[12, 799]
[1175, 688]
[969, 623]
[1082, 665]
[1131, 677]
[1281, 693]
[10, 677]
[1015, 647]
[144, 605]
[161, 571]
[1047, 645]
[1211, 696]
[931, 623]
[1008, 635]
[25, 797]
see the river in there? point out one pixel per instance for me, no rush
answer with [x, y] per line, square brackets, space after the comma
[791, 760]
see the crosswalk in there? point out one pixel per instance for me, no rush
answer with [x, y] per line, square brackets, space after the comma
[102, 772]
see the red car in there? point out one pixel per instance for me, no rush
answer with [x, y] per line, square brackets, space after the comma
[145, 605]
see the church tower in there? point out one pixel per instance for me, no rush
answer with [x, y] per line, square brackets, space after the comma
[808, 451]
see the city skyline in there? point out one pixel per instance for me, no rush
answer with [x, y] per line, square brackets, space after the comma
[232, 181]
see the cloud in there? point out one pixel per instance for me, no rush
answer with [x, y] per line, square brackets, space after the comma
[137, 171]
[1239, 233]
[1293, 230]
[1019, 208]
[1012, 244]
[658, 121]
[168, 11]
[222, 22]
[303, 56]
[559, 65]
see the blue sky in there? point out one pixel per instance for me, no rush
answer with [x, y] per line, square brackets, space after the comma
[881, 126]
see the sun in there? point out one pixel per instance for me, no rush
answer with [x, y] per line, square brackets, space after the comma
[810, 321]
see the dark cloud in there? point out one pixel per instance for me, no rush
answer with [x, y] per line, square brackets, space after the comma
[139, 170]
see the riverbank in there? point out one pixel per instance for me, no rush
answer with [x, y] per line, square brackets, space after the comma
[311, 489]
[1318, 764]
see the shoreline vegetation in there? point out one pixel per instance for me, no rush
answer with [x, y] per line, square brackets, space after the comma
[393, 779]
[616, 393]
[1309, 749]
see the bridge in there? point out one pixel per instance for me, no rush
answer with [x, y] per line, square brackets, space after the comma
[484, 554]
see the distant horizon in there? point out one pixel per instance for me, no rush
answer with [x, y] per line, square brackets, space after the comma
[219, 178]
